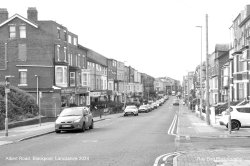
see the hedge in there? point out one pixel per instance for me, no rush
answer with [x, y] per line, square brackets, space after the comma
[21, 105]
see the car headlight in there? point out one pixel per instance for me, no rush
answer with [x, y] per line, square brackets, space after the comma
[58, 121]
[77, 121]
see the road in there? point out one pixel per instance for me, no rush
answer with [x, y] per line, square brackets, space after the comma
[133, 140]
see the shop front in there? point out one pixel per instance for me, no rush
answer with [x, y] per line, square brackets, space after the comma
[72, 96]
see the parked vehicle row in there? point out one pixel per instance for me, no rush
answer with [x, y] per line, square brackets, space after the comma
[144, 108]
[81, 118]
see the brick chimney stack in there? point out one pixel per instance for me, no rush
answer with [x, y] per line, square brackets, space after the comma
[32, 14]
[4, 15]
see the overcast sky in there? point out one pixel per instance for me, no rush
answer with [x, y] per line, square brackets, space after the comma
[157, 37]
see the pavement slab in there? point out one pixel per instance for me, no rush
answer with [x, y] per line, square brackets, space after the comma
[191, 127]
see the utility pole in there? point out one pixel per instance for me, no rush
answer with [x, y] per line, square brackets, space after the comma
[207, 81]
[201, 75]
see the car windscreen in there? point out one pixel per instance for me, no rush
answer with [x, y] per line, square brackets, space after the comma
[72, 112]
[130, 107]
[143, 106]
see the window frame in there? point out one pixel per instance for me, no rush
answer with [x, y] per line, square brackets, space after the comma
[21, 78]
[12, 31]
[22, 31]
[72, 78]
[64, 76]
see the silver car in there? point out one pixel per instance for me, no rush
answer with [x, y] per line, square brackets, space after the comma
[74, 118]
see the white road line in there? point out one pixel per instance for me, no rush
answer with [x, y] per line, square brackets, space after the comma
[165, 157]
[158, 159]
[172, 126]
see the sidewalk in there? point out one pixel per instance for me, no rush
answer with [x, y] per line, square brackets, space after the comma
[189, 125]
[22, 133]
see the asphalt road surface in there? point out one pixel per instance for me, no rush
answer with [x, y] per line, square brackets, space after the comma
[132, 140]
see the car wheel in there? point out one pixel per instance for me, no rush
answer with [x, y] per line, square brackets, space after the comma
[92, 125]
[58, 131]
[235, 124]
[83, 127]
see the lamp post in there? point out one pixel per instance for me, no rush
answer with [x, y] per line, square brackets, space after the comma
[229, 113]
[207, 82]
[37, 97]
[7, 90]
[201, 74]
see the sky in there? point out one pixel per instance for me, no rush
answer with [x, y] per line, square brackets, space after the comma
[156, 37]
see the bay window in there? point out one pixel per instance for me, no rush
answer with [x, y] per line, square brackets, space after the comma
[61, 76]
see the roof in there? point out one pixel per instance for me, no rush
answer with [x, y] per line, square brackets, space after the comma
[20, 17]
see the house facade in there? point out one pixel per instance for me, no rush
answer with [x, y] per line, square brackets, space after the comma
[43, 56]
[239, 56]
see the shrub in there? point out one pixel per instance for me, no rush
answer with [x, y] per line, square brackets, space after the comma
[219, 109]
[20, 105]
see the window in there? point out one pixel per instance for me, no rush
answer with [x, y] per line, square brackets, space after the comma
[78, 79]
[58, 52]
[76, 59]
[12, 30]
[65, 54]
[65, 35]
[75, 41]
[22, 77]
[72, 78]
[22, 52]
[69, 59]
[22, 30]
[84, 79]
[58, 33]
[61, 76]
[241, 90]
[69, 39]
[79, 60]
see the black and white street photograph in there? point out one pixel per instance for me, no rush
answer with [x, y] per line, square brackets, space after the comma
[124, 83]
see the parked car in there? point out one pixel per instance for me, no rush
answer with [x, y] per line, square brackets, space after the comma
[240, 116]
[176, 102]
[155, 105]
[74, 118]
[144, 108]
[131, 110]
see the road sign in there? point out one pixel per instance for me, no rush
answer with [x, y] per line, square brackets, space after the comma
[7, 90]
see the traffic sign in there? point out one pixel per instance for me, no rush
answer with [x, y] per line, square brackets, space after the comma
[7, 90]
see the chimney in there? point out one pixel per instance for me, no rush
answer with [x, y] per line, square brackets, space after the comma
[4, 15]
[32, 14]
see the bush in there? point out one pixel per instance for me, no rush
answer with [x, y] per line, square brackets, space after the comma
[21, 105]
[219, 109]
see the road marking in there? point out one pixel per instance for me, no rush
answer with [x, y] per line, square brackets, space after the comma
[89, 141]
[5, 142]
[165, 157]
[172, 126]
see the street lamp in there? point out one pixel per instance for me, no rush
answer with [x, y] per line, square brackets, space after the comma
[38, 98]
[7, 90]
[201, 74]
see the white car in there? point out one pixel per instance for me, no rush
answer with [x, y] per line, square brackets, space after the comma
[240, 116]
[131, 110]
